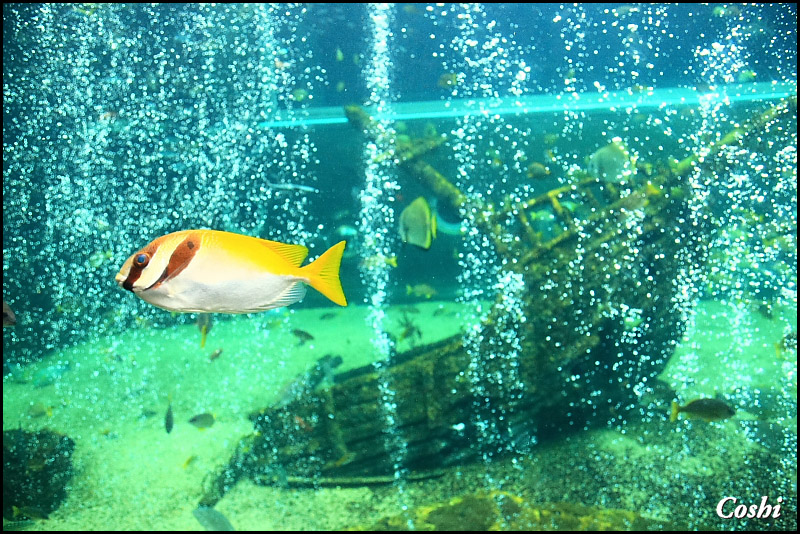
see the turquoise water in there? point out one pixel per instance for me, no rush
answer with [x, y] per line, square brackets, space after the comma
[547, 336]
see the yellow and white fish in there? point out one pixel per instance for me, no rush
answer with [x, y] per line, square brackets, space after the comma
[613, 162]
[418, 224]
[210, 271]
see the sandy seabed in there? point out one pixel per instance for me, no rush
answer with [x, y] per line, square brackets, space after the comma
[131, 475]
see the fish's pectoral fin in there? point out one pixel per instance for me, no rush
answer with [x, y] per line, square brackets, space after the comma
[294, 293]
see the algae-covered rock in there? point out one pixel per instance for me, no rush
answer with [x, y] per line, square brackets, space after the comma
[499, 510]
[37, 467]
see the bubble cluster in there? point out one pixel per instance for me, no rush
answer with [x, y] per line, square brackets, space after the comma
[377, 222]
[116, 139]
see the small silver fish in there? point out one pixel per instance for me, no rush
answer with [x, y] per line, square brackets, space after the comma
[203, 420]
[212, 519]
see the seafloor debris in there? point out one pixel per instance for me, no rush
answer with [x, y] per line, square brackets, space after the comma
[339, 434]
[503, 511]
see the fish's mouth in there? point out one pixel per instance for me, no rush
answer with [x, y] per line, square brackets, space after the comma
[125, 282]
[122, 281]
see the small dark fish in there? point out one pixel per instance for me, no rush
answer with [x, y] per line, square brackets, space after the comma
[302, 335]
[9, 319]
[421, 290]
[168, 419]
[203, 323]
[214, 355]
[50, 374]
[448, 80]
[204, 420]
[327, 364]
[40, 409]
[706, 409]
[326, 316]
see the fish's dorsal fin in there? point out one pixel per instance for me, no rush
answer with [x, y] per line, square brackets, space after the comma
[293, 254]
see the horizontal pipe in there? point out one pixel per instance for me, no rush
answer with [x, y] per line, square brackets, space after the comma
[643, 99]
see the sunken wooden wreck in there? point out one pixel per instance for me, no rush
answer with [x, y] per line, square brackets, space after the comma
[579, 360]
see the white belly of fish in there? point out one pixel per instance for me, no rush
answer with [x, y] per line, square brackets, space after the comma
[219, 289]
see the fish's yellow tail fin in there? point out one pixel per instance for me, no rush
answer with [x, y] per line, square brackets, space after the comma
[673, 416]
[323, 274]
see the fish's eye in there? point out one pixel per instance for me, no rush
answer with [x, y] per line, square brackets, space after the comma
[141, 260]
